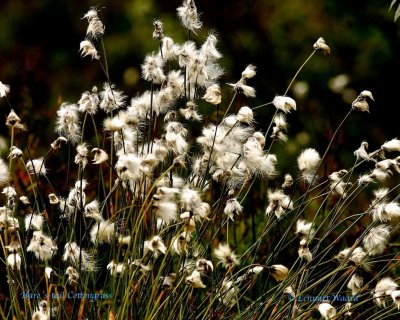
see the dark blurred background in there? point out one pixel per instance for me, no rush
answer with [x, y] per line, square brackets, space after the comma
[39, 59]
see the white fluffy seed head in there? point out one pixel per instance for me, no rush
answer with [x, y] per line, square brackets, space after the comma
[4, 89]
[213, 94]
[188, 16]
[194, 280]
[88, 49]
[308, 160]
[326, 310]
[37, 167]
[249, 72]
[34, 221]
[154, 245]
[286, 104]
[360, 103]
[225, 255]
[279, 272]
[321, 46]
[385, 287]
[102, 231]
[68, 124]
[232, 208]
[304, 228]
[304, 251]
[355, 283]
[376, 239]
[14, 261]
[245, 115]
[391, 145]
[396, 298]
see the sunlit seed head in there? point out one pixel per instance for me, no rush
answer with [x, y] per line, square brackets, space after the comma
[321, 46]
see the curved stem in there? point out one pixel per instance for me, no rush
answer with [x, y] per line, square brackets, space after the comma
[298, 71]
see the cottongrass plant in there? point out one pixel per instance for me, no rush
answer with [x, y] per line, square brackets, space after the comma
[151, 219]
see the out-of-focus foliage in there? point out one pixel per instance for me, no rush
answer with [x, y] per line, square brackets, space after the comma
[39, 42]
